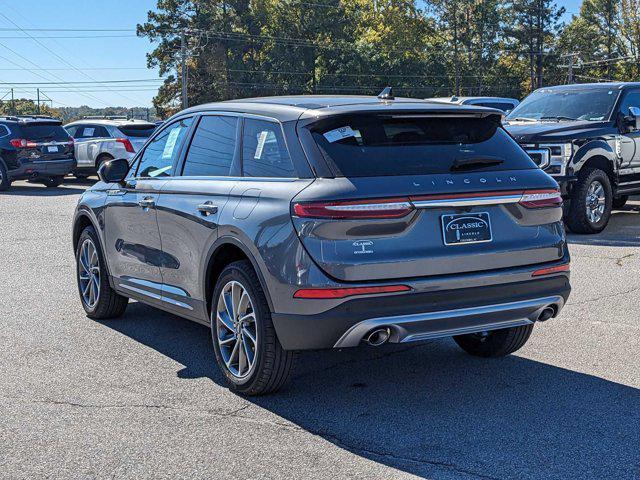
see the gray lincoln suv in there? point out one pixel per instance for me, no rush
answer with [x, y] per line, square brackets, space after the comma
[293, 223]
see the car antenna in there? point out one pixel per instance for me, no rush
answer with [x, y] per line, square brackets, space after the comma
[386, 94]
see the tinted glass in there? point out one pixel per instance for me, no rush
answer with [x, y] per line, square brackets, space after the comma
[157, 159]
[500, 106]
[594, 104]
[138, 131]
[72, 130]
[92, 131]
[212, 148]
[44, 132]
[632, 99]
[379, 145]
[264, 153]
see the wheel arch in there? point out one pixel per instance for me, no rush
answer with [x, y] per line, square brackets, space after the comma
[597, 154]
[83, 220]
[224, 251]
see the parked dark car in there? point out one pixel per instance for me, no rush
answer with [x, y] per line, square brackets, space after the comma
[35, 148]
[293, 223]
[587, 137]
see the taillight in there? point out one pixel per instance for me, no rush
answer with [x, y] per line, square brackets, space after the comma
[22, 143]
[541, 198]
[359, 209]
[327, 293]
[549, 270]
[70, 142]
[126, 143]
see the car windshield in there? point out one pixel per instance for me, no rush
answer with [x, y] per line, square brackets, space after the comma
[593, 104]
[366, 145]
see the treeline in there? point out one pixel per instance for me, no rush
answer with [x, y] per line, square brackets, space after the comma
[22, 106]
[242, 48]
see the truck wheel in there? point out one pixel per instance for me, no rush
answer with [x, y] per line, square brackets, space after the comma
[244, 339]
[620, 201]
[591, 202]
[5, 183]
[495, 343]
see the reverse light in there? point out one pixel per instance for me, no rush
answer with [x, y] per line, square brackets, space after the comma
[126, 143]
[328, 293]
[548, 271]
[359, 209]
[541, 198]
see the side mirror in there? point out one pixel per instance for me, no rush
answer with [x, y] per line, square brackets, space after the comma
[113, 171]
[633, 119]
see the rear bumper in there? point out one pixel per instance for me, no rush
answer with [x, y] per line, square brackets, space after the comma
[424, 315]
[36, 168]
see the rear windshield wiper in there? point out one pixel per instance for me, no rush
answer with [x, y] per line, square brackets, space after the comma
[475, 162]
[523, 119]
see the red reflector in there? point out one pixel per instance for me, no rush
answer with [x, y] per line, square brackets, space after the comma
[366, 208]
[541, 198]
[347, 292]
[126, 143]
[547, 271]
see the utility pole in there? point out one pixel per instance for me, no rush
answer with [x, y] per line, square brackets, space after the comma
[183, 54]
[13, 103]
[38, 104]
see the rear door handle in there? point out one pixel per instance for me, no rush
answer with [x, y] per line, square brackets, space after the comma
[207, 208]
[147, 202]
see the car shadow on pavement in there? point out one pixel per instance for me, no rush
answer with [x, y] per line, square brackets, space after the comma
[430, 410]
[39, 190]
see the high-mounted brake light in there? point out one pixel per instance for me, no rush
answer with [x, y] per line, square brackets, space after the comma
[327, 293]
[127, 144]
[359, 209]
[541, 198]
[548, 271]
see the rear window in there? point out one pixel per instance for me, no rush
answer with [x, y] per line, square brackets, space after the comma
[35, 131]
[368, 145]
[142, 131]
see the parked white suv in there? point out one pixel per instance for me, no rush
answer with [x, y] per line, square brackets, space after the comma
[100, 139]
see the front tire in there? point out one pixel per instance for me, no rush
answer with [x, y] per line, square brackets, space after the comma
[495, 343]
[98, 299]
[244, 339]
[53, 182]
[591, 202]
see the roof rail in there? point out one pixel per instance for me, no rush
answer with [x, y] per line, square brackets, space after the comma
[105, 117]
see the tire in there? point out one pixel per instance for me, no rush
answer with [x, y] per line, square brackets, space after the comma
[272, 365]
[5, 183]
[53, 182]
[495, 343]
[577, 219]
[108, 303]
[620, 201]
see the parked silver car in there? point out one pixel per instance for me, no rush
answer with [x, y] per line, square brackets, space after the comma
[100, 139]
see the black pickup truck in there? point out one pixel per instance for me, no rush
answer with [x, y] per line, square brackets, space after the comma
[587, 137]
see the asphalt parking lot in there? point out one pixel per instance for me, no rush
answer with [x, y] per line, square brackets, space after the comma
[139, 397]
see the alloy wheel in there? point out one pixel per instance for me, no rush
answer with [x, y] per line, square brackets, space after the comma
[595, 203]
[236, 329]
[89, 273]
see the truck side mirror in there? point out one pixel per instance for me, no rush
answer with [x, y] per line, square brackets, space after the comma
[633, 119]
[113, 171]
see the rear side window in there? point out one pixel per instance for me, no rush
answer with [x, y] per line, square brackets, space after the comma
[264, 153]
[44, 132]
[212, 148]
[157, 159]
[137, 131]
[367, 145]
[92, 131]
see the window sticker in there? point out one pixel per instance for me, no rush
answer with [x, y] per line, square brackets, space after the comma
[160, 171]
[167, 153]
[88, 132]
[262, 138]
[339, 134]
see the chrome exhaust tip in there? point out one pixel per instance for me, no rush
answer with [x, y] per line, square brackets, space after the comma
[546, 314]
[378, 336]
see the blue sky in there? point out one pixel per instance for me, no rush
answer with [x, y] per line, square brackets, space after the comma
[28, 55]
